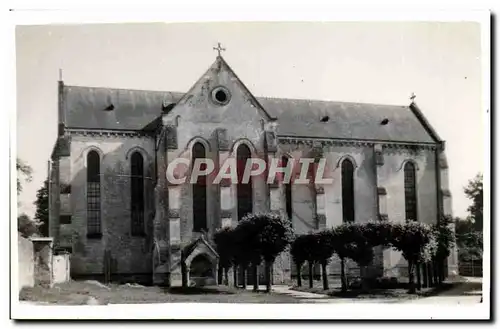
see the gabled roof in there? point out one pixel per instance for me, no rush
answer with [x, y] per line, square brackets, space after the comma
[90, 108]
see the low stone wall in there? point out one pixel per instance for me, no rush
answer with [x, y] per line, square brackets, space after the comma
[26, 261]
[38, 265]
[60, 268]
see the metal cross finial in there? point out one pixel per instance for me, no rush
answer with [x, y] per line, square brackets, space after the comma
[219, 48]
[413, 96]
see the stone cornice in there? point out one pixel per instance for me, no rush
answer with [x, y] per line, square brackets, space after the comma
[315, 142]
[108, 133]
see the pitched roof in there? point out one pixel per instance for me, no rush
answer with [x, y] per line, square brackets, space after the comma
[342, 120]
[85, 107]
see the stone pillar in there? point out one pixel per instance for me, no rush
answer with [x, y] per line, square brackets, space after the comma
[320, 207]
[167, 142]
[382, 263]
[174, 237]
[445, 204]
[228, 215]
[42, 248]
[276, 191]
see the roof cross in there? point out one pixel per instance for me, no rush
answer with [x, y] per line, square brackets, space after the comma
[219, 48]
[413, 96]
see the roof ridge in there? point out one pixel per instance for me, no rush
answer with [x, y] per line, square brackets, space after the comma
[126, 89]
[257, 97]
[328, 101]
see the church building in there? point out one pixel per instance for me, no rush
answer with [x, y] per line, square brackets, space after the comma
[113, 208]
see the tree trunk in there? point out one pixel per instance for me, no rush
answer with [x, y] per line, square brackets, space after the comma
[269, 279]
[425, 275]
[441, 271]
[184, 275]
[419, 276]
[299, 275]
[343, 279]
[244, 276]
[324, 275]
[255, 277]
[220, 274]
[310, 264]
[411, 280]
[235, 275]
[226, 276]
[435, 268]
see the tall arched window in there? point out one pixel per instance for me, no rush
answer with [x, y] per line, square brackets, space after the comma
[93, 195]
[199, 192]
[244, 189]
[288, 191]
[410, 192]
[137, 193]
[347, 191]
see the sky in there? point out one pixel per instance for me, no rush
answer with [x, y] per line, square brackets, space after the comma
[369, 62]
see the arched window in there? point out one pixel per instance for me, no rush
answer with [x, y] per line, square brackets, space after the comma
[347, 191]
[199, 192]
[410, 192]
[93, 195]
[288, 191]
[137, 193]
[244, 189]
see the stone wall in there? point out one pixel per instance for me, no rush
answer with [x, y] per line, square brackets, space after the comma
[61, 268]
[129, 255]
[26, 262]
[37, 265]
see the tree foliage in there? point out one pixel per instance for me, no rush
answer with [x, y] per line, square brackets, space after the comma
[224, 244]
[27, 226]
[24, 173]
[42, 208]
[474, 191]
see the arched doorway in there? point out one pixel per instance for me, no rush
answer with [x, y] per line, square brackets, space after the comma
[201, 271]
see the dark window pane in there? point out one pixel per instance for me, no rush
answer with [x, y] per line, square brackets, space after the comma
[288, 192]
[199, 193]
[137, 193]
[93, 194]
[410, 192]
[347, 191]
[243, 190]
[65, 219]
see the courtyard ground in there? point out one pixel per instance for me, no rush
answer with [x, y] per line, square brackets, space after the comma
[95, 293]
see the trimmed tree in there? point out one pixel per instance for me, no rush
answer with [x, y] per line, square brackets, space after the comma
[412, 239]
[343, 240]
[323, 251]
[224, 244]
[299, 250]
[303, 249]
[246, 247]
[266, 235]
[444, 235]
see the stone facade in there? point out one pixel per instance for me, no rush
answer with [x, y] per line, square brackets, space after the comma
[221, 124]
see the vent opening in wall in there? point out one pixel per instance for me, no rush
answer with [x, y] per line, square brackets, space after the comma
[110, 107]
[384, 122]
[221, 96]
[325, 118]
